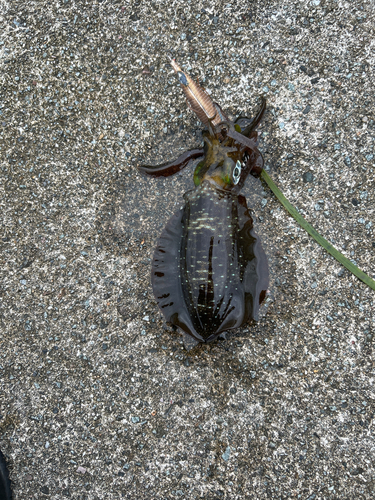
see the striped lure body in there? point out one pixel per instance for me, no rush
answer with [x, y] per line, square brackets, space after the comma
[198, 99]
[209, 272]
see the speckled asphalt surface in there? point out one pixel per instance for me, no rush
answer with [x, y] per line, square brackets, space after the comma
[97, 398]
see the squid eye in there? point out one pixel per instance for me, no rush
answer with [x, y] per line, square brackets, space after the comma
[237, 172]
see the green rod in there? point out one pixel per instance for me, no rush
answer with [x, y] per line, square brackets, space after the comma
[317, 237]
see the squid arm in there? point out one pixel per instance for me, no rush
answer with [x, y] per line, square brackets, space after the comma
[172, 167]
[242, 139]
[254, 121]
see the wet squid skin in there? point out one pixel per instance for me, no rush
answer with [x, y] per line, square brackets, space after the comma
[209, 271]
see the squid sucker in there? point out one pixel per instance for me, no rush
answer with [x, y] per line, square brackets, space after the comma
[209, 272]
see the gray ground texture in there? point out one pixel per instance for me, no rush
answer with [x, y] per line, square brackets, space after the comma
[98, 398]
